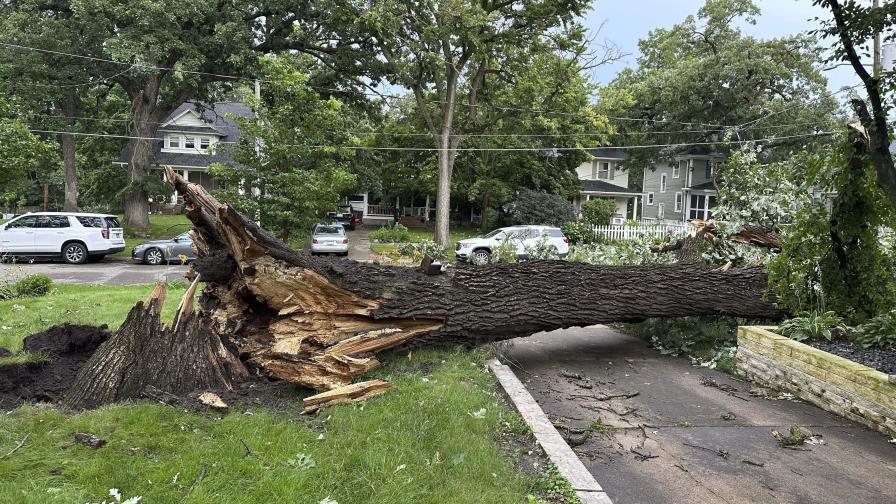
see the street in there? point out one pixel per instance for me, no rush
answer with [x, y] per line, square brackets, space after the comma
[669, 432]
[110, 271]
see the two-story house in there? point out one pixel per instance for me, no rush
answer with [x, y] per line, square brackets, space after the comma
[682, 189]
[602, 177]
[194, 136]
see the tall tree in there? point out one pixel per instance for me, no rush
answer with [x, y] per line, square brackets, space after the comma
[21, 151]
[54, 86]
[698, 79]
[285, 177]
[176, 50]
[853, 25]
[445, 53]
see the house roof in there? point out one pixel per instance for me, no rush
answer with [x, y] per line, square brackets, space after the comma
[593, 186]
[219, 117]
[709, 185]
[609, 153]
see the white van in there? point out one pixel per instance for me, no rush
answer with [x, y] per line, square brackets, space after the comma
[74, 237]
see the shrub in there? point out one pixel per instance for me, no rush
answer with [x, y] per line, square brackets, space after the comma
[536, 207]
[33, 286]
[580, 233]
[542, 250]
[391, 234]
[699, 337]
[813, 326]
[422, 249]
[878, 332]
[621, 253]
[598, 212]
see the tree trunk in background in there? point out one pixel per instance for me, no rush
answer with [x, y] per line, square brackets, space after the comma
[443, 190]
[483, 219]
[67, 144]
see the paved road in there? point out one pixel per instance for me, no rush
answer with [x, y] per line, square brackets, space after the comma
[110, 271]
[115, 270]
[677, 418]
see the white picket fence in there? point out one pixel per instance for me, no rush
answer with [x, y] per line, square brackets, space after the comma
[636, 232]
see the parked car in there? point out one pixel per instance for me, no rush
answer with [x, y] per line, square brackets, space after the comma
[522, 237]
[347, 216]
[329, 239]
[160, 251]
[73, 237]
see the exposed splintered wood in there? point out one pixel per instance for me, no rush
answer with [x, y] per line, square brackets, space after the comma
[145, 353]
[318, 322]
[355, 392]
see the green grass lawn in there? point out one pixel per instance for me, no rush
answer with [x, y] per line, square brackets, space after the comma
[433, 438]
[160, 227]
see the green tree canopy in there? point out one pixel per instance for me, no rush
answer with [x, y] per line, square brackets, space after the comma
[291, 168]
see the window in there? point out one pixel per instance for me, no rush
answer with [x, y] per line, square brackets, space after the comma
[676, 170]
[661, 211]
[173, 142]
[650, 198]
[204, 143]
[678, 201]
[190, 143]
[663, 183]
[24, 222]
[51, 221]
[604, 172]
[701, 207]
[91, 222]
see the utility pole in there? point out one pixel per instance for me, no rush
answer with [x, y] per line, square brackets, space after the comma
[876, 69]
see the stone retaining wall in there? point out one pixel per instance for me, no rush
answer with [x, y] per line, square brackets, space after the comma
[851, 390]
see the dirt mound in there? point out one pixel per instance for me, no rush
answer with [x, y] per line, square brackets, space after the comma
[67, 348]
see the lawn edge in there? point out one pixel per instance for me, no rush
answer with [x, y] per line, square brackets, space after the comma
[568, 463]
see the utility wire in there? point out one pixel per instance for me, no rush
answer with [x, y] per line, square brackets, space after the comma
[469, 149]
[366, 93]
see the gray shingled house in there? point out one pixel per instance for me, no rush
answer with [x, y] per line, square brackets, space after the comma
[194, 136]
[602, 177]
[682, 189]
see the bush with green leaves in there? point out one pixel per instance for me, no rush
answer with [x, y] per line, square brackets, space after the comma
[423, 249]
[598, 212]
[879, 332]
[623, 252]
[33, 286]
[397, 233]
[537, 207]
[707, 340]
[813, 326]
[579, 233]
[541, 250]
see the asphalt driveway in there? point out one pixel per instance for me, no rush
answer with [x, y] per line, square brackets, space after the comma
[110, 271]
[675, 433]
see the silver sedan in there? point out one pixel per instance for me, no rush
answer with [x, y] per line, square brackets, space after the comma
[329, 239]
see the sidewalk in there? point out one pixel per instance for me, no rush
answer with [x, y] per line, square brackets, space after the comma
[678, 433]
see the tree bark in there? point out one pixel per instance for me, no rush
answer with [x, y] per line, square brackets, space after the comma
[319, 322]
[67, 145]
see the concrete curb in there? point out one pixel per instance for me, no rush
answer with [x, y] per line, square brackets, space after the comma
[587, 488]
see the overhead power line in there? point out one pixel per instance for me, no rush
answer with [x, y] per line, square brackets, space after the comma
[366, 93]
[472, 149]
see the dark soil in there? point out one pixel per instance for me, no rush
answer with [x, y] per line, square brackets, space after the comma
[66, 347]
[877, 358]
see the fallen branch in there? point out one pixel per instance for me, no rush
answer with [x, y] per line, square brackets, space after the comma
[21, 444]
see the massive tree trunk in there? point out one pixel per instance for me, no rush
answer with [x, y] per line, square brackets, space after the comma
[318, 322]
[67, 145]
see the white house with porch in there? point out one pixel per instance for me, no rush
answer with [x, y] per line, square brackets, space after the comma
[602, 177]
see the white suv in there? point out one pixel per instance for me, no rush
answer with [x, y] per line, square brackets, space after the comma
[75, 237]
[522, 237]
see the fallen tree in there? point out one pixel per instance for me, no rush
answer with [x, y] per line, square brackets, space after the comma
[268, 309]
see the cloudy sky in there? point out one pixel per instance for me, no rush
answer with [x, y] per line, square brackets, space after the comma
[627, 21]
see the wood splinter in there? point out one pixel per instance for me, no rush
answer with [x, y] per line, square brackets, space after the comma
[355, 392]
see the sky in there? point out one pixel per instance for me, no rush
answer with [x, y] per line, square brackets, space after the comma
[625, 22]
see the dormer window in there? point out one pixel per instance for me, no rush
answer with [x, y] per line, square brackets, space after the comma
[190, 143]
[204, 143]
[173, 142]
[603, 172]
